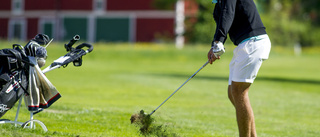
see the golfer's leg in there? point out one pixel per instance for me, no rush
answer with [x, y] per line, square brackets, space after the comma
[253, 127]
[230, 95]
[244, 113]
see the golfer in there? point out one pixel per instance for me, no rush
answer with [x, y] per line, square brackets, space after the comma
[241, 20]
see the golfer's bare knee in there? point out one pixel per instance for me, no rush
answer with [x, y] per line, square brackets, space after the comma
[239, 89]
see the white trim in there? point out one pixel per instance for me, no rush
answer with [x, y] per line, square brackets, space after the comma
[179, 20]
[17, 11]
[132, 28]
[138, 14]
[95, 7]
[91, 28]
[144, 14]
[53, 13]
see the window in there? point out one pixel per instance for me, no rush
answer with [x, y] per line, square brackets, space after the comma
[99, 5]
[17, 6]
[17, 29]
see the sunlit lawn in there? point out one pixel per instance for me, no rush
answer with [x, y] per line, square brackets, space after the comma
[118, 80]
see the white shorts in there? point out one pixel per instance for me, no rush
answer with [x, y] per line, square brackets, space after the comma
[248, 57]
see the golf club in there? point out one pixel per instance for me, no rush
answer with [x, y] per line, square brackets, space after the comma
[179, 88]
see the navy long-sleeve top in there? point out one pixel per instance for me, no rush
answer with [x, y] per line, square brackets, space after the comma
[239, 18]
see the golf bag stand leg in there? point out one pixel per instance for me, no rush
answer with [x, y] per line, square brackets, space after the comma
[31, 124]
[18, 110]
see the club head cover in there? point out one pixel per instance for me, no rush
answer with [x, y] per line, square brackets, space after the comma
[41, 39]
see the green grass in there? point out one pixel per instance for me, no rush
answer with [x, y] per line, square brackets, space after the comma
[118, 80]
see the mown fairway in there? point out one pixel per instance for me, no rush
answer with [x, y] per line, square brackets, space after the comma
[118, 80]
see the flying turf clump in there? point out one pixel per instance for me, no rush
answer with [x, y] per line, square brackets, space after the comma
[142, 120]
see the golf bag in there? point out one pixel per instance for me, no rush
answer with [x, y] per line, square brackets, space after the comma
[14, 70]
[22, 78]
[13, 80]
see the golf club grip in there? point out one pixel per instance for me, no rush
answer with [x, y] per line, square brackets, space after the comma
[71, 42]
[85, 45]
[205, 64]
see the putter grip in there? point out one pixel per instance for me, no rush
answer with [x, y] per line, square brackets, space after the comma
[85, 45]
[71, 42]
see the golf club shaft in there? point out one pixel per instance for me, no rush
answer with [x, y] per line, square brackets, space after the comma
[179, 87]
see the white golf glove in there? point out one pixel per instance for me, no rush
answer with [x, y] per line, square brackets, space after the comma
[217, 49]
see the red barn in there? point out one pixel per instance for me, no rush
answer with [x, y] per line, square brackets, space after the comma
[93, 20]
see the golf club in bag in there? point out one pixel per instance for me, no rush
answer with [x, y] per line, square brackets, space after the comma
[205, 64]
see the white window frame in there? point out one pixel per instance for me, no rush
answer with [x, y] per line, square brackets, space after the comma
[96, 8]
[23, 32]
[17, 10]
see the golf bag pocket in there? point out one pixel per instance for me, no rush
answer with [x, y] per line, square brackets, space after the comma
[12, 91]
[12, 64]
[10, 60]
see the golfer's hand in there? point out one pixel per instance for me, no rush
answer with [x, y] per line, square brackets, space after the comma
[217, 49]
[212, 57]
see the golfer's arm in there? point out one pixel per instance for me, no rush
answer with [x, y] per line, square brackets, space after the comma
[225, 21]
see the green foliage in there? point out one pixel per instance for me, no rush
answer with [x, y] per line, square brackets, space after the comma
[203, 30]
[288, 23]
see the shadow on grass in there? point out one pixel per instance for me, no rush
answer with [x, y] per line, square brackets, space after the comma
[220, 78]
[298, 81]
